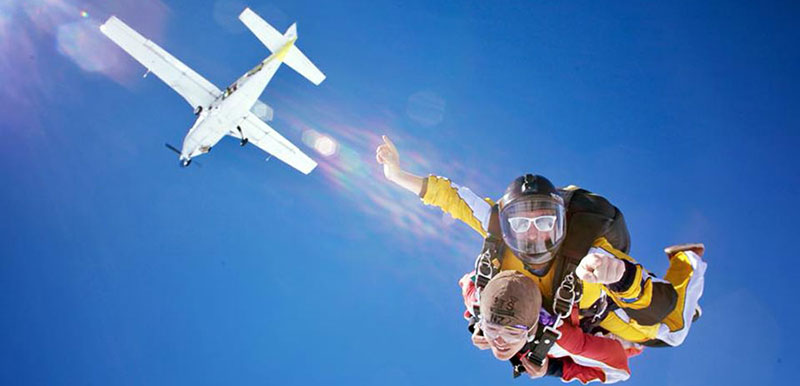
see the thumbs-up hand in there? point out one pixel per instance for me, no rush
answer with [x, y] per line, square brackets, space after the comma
[387, 155]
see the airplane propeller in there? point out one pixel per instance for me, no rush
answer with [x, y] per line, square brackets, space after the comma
[178, 152]
[173, 148]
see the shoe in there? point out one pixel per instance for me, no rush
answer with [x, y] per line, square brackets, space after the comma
[698, 312]
[697, 248]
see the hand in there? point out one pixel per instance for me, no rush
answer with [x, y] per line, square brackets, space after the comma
[600, 268]
[479, 340]
[533, 370]
[386, 154]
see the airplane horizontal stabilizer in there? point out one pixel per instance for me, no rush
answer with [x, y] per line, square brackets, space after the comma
[274, 41]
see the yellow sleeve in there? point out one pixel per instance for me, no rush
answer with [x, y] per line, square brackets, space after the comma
[458, 201]
[645, 298]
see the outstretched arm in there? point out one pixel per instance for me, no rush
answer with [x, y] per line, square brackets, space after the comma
[387, 155]
[460, 202]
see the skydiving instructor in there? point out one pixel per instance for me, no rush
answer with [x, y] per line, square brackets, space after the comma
[574, 245]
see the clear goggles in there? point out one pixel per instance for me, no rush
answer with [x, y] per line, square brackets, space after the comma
[510, 334]
[544, 223]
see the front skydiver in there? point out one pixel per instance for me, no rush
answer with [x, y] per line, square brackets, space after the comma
[572, 242]
[511, 312]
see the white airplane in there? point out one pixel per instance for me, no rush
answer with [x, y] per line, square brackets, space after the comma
[229, 111]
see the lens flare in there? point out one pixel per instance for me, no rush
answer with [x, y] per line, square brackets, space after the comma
[352, 170]
[31, 30]
[310, 137]
[325, 146]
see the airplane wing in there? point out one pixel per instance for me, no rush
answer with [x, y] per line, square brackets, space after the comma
[189, 84]
[266, 138]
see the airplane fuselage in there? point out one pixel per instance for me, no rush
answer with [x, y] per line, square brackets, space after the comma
[223, 115]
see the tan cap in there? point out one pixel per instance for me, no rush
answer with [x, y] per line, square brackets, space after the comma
[511, 299]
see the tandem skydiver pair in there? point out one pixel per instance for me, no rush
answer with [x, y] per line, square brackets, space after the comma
[575, 304]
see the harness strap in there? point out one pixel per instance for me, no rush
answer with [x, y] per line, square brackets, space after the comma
[491, 257]
[488, 263]
[485, 268]
[542, 345]
[567, 295]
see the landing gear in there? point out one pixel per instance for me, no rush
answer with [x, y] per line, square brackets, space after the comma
[244, 140]
[198, 110]
[186, 162]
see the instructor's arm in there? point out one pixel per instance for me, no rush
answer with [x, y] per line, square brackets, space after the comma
[386, 154]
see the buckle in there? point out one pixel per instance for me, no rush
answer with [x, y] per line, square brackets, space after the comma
[484, 269]
[531, 356]
[562, 306]
[602, 307]
[553, 331]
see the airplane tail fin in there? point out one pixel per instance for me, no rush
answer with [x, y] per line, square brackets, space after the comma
[274, 40]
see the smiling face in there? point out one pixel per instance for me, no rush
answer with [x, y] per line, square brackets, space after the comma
[509, 309]
[504, 341]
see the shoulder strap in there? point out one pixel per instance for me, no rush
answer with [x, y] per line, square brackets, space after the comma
[491, 257]
[494, 221]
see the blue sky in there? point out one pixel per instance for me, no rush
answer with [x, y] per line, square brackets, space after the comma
[119, 267]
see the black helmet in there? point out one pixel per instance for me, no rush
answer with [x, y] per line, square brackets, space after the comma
[533, 219]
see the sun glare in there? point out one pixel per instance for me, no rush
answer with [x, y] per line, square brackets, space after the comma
[325, 146]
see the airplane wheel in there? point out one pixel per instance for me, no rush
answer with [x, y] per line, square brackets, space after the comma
[198, 110]
[244, 142]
